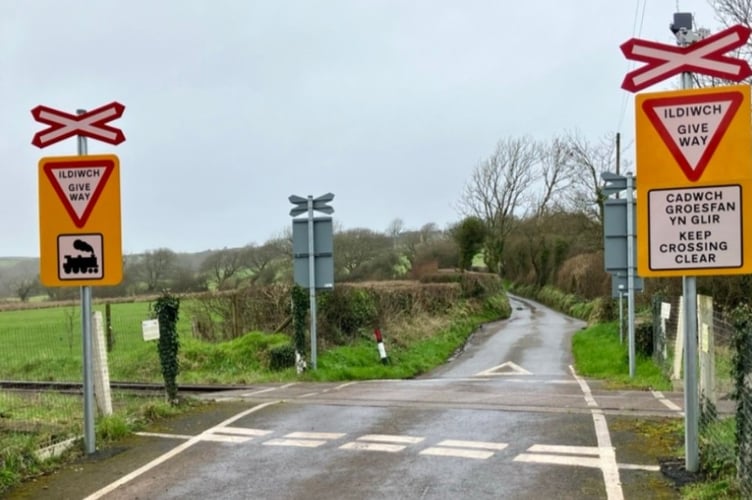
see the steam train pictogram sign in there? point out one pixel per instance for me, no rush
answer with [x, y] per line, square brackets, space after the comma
[79, 221]
[78, 256]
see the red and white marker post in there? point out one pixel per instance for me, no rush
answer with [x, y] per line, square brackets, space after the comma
[380, 346]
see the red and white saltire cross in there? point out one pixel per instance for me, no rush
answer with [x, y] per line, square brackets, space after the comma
[91, 124]
[706, 57]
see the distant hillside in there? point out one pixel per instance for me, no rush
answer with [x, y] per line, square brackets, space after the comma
[10, 262]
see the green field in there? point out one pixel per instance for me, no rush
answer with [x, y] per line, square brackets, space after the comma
[45, 344]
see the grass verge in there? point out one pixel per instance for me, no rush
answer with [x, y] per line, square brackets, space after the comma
[599, 353]
[20, 444]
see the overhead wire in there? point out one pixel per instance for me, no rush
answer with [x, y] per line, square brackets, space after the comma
[636, 32]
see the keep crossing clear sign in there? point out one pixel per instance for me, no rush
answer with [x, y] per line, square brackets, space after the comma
[694, 176]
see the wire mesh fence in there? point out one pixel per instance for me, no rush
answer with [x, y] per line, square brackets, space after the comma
[45, 345]
[724, 385]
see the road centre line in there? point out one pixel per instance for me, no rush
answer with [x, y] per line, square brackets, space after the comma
[173, 452]
[607, 458]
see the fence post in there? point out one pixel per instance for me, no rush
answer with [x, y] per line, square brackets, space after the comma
[108, 327]
[707, 350]
[679, 346]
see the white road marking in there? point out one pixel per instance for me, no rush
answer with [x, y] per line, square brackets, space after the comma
[308, 395]
[455, 443]
[342, 386]
[359, 445]
[514, 369]
[559, 460]
[270, 389]
[608, 465]
[315, 435]
[457, 452]
[173, 452]
[223, 438]
[242, 431]
[301, 443]
[528, 381]
[388, 438]
[163, 435]
[649, 468]
[667, 402]
[567, 450]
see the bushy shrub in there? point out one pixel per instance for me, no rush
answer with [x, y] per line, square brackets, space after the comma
[281, 357]
[583, 275]
[346, 310]
[644, 338]
[601, 310]
[230, 314]
[473, 285]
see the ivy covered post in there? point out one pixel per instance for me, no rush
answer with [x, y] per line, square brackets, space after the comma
[166, 308]
[742, 369]
[299, 312]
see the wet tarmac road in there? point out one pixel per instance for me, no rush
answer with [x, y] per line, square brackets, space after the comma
[506, 419]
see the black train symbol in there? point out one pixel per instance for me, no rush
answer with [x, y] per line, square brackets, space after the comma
[81, 263]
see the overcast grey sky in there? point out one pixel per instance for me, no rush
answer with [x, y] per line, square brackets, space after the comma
[232, 106]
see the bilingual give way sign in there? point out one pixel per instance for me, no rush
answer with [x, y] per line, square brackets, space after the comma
[79, 221]
[694, 179]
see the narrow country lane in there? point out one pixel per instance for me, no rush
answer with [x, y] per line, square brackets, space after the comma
[507, 418]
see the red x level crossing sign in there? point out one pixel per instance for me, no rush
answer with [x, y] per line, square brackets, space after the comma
[91, 124]
[706, 57]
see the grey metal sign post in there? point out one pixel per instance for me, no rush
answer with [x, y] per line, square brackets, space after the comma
[323, 228]
[82, 125]
[619, 245]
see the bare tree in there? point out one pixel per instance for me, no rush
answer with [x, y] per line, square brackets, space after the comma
[556, 175]
[355, 248]
[222, 265]
[24, 287]
[259, 260]
[732, 12]
[589, 161]
[156, 266]
[394, 231]
[496, 190]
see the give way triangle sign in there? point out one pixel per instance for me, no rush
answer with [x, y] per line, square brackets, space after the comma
[692, 126]
[78, 182]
